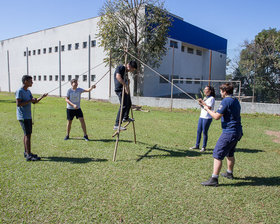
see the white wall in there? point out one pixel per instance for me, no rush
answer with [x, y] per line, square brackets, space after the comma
[186, 65]
[74, 62]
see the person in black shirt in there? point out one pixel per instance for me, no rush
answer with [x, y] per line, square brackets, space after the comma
[120, 83]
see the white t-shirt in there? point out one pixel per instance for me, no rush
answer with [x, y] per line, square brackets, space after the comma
[75, 97]
[210, 101]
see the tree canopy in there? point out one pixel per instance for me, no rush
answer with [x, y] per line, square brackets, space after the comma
[142, 25]
[259, 67]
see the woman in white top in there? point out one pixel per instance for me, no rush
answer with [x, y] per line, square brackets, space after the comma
[205, 119]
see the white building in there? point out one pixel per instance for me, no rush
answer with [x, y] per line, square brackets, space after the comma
[56, 55]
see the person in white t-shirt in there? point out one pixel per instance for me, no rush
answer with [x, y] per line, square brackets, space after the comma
[73, 100]
[205, 119]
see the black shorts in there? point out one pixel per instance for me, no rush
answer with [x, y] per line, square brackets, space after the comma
[26, 126]
[72, 113]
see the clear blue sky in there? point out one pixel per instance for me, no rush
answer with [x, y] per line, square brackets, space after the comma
[235, 20]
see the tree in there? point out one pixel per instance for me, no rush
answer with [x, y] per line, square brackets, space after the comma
[142, 25]
[259, 66]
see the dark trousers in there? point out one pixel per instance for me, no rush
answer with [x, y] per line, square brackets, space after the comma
[126, 107]
[203, 126]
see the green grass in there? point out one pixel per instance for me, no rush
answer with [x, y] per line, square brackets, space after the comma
[156, 180]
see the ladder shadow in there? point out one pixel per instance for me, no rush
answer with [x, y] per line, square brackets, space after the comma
[172, 153]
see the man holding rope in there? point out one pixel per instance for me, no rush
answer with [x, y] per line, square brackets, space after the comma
[24, 99]
[229, 112]
[120, 83]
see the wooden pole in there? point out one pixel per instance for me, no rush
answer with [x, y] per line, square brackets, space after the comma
[210, 67]
[89, 65]
[59, 66]
[9, 79]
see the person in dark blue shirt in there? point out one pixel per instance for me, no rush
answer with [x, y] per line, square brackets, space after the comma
[229, 112]
[120, 83]
[24, 99]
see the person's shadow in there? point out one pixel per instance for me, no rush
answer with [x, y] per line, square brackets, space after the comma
[255, 181]
[71, 159]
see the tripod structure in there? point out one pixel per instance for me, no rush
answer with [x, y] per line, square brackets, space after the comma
[117, 133]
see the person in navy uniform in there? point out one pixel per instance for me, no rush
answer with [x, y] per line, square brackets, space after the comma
[229, 112]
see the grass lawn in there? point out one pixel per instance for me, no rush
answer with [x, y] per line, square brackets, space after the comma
[156, 180]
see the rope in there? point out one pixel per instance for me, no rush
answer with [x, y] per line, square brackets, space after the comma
[79, 76]
[160, 75]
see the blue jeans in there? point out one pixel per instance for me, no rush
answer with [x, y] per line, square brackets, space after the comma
[126, 107]
[203, 126]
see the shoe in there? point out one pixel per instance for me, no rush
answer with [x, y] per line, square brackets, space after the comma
[212, 182]
[121, 128]
[227, 175]
[67, 137]
[86, 138]
[128, 119]
[194, 147]
[30, 157]
[34, 155]
[203, 149]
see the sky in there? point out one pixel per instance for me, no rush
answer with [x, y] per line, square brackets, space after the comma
[234, 20]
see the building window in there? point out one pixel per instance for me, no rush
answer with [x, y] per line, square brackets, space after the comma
[175, 77]
[62, 78]
[34, 77]
[77, 77]
[24, 53]
[69, 77]
[50, 50]
[76, 46]
[56, 49]
[44, 51]
[173, 44]
[34, 52]
[29, 53]
[56, 78]
[39, 51]
[85, 44]
[84, 78]
[62, 47]
[92, 78]
[39, 78]
[182, 48]
[45, 78]
[162, 80]
[50, 78]
[182, 80]
[189, 81]
[195, 81]
[198, 52]
[190, 50]
[93, 43]
[69, 47]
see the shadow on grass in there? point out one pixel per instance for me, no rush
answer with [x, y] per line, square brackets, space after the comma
[99, 140]
[172, 153]
[248, 150]
[256, 181]
[71, 160]
[7, 101]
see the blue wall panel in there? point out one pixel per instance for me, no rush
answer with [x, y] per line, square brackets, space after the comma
[191, 34]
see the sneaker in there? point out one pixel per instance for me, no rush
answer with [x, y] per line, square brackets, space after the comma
[86, 138]
[30, 157]
[227, 175]
[34, 155]
[194, 147]
[128, 119]
[121, 128]
[203, 149]
[212, 182]
[67, 137]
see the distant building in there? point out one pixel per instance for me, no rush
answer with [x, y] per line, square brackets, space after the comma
[56, 55]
